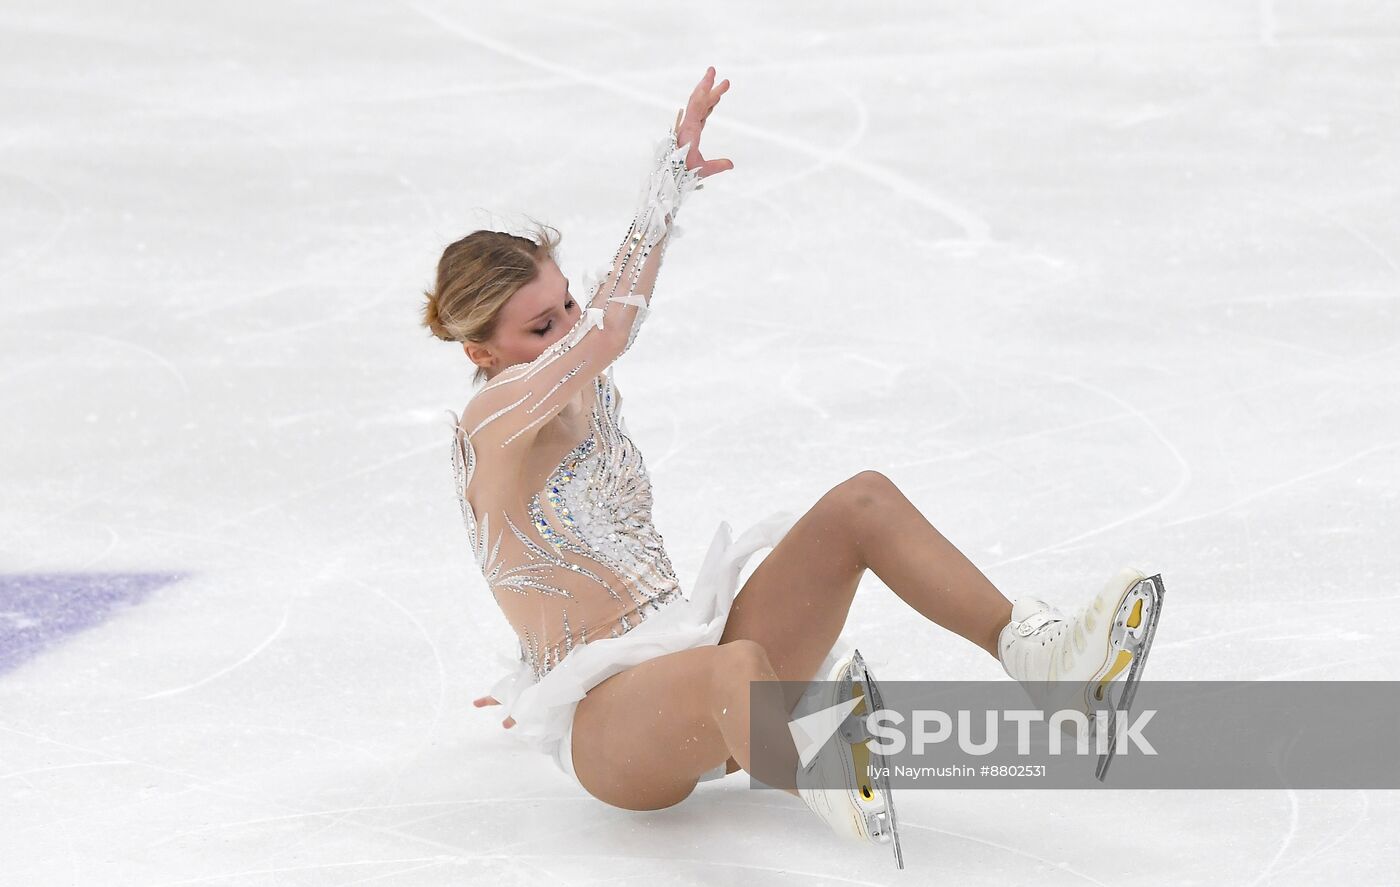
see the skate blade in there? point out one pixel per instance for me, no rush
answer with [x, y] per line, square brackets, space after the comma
[854, 733]
[869, 801]
[1135, 626]
[885, 825]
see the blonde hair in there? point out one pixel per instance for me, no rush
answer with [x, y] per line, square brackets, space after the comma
[477, 275]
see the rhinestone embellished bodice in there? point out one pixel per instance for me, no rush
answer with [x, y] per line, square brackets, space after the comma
[576, 559]
[579, 558]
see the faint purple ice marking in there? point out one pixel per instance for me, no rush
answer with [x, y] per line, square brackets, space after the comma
[40, 610]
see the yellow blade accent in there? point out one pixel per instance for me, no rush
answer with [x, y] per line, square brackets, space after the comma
[1136, 619]
[1124, 657]
[860, 754]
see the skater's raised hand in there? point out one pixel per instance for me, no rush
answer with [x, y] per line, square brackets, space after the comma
[702, 101]
[491, 700]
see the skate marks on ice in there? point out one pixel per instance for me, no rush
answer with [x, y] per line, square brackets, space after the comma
[975, 229]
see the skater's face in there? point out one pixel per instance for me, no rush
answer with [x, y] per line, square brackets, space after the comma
[537, 316]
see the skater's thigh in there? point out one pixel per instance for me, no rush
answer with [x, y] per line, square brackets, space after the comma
[795, 602]
[642, 737]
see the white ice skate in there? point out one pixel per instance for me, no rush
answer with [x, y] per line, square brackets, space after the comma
[1072, 663]
[863, 808]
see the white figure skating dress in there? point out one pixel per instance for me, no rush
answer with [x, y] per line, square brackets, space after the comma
[570, 553]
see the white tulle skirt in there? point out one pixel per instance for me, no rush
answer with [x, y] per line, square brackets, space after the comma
[544, 710]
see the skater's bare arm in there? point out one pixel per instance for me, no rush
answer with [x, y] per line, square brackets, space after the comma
[510, 409]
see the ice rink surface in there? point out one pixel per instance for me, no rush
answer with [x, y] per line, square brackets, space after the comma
[1095, 284]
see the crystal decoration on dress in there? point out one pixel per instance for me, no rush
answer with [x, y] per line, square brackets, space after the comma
[576, 553]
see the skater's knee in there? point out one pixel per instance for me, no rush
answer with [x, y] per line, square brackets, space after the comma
[861, 494]
[867, 488]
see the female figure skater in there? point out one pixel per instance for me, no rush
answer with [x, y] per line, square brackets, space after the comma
[637, 686]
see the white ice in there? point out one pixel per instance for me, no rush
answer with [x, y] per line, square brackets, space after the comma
[1095, 283]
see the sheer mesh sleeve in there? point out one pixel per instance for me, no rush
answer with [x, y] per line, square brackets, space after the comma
[524, 396]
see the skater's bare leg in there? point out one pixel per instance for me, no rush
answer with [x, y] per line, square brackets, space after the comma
[920, 565]
[643, 737]
[796, 601]
[793, 606]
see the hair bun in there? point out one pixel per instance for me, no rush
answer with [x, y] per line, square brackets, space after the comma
[432, 319]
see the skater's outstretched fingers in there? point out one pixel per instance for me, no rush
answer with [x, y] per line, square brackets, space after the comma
[703, 100]
[491, 700]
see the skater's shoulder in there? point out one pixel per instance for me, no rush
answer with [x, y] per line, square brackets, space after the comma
[472, 412]
[478, 426]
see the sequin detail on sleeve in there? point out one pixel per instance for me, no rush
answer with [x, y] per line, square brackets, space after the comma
[521, 398]
[578, 558]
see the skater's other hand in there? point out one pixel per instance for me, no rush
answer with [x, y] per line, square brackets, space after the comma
[491, 700]
[702, 101]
